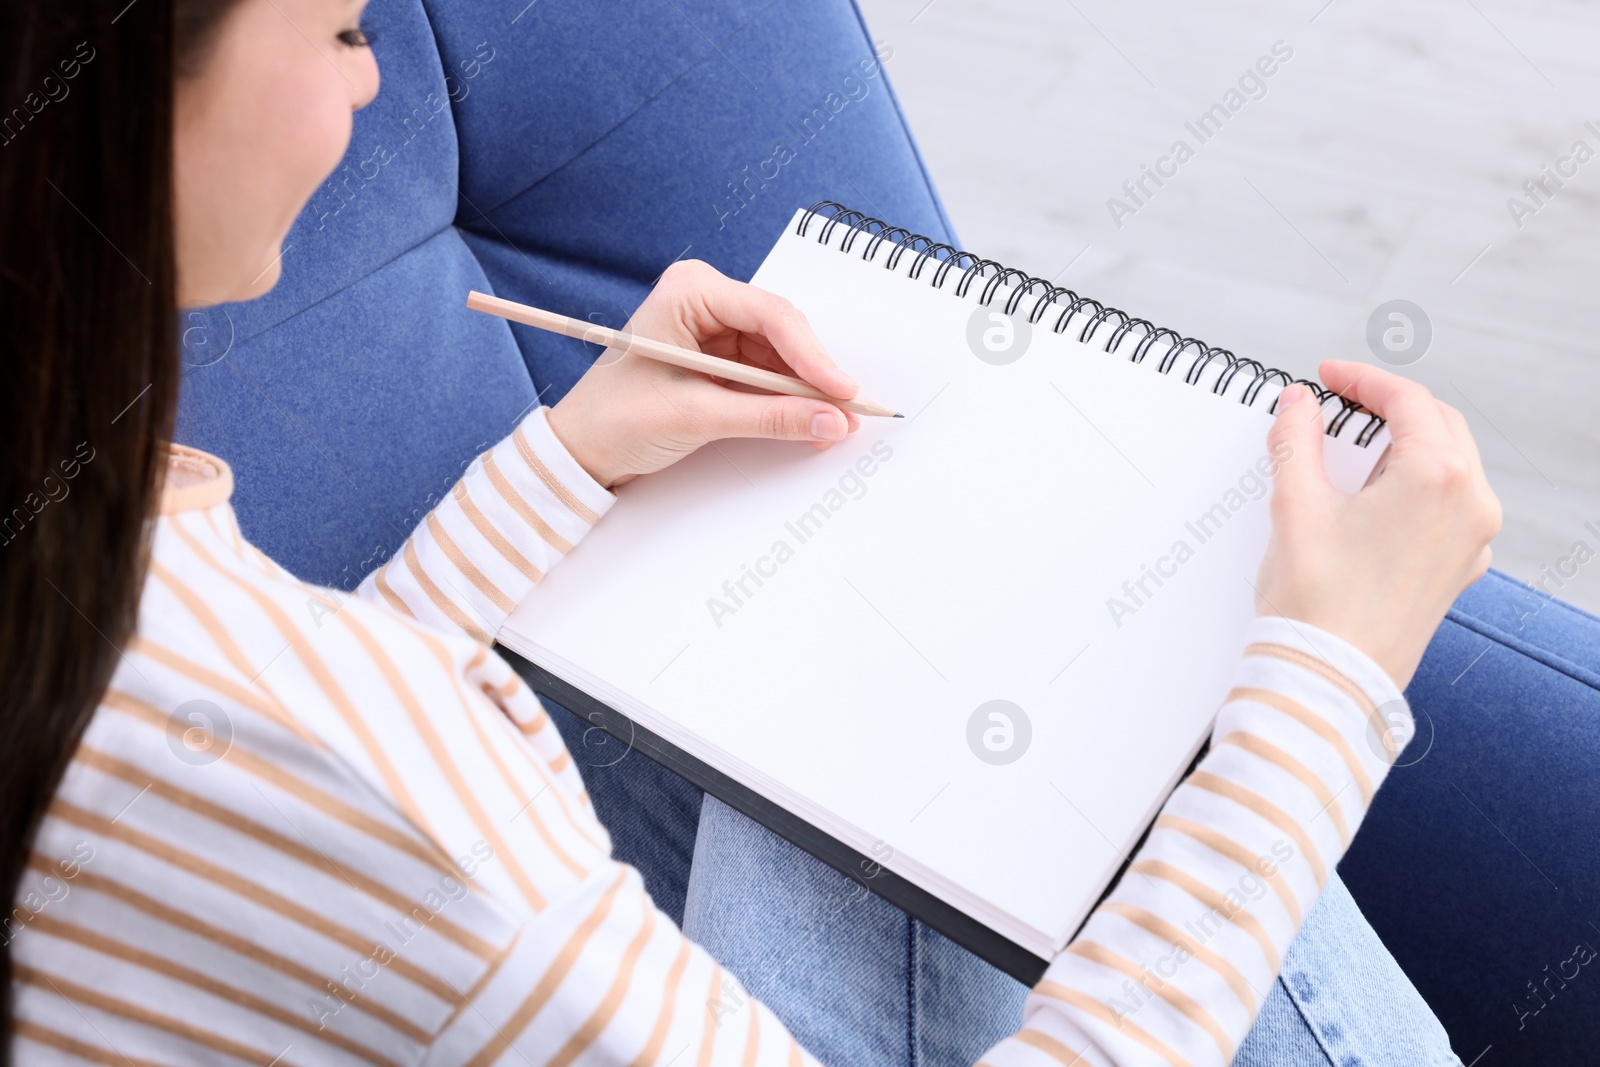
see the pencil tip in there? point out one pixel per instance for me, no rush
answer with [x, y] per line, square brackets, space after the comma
[898, 415]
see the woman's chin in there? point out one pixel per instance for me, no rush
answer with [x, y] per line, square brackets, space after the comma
[263, 282]
[248, 289]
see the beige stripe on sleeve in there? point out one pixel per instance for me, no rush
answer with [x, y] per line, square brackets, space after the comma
[525, 510]
[503, 693]
[551, 482]
[524, 751]
[1090, 1006]
[459, 560]
[1239, 916]
[512, 743]
[597, 1022]
[669, 1003]
[551, 980]
[1181, 1001]
[380, 581]
[708, 1037]
[752, 1043]
[1261, 747]
[1248, 995]
[437, 597]
[1335, 678]
[1269, 811]
[1316, 724]
[481, 523]
[524, 802]
[1231, 849]
[1049, 1046]
[429, 735]
[506, 719]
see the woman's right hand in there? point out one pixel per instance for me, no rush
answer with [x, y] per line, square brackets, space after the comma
[1378, 568]
[631, 415]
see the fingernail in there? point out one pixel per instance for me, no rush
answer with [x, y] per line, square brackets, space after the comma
[827, 425]
[848, 382]
[1291, 396]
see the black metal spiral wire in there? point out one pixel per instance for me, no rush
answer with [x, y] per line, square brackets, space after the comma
[973, 267]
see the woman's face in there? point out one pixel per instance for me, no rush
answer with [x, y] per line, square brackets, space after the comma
[256, 131]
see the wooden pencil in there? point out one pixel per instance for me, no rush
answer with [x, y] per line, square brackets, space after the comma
[715, 366]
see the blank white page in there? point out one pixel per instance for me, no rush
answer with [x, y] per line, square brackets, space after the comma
[975, 562]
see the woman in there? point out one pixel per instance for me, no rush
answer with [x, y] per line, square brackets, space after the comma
[247, 819]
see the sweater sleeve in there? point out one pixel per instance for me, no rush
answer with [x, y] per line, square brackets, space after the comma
[1171, 969]
[1174, 965]
[520, 507]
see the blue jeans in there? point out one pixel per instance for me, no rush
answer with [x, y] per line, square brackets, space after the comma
[860, 983]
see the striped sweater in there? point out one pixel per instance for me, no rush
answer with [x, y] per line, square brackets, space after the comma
[307, 827]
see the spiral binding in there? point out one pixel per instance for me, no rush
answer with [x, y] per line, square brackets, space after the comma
[972, 267]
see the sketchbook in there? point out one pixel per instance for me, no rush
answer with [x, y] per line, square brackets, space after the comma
[982, 643]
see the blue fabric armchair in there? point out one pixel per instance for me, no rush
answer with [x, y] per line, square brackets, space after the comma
[564, 155]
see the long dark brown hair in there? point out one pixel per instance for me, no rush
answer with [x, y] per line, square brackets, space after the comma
[88, 368]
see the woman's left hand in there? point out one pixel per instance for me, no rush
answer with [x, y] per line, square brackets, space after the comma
[631, 415]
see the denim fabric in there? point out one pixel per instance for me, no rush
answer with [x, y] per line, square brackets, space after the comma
[565, 154]
[1342, 1000]
[853, 977]
[1479, 863]
[858, 982]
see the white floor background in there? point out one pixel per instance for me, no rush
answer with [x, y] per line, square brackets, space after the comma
[1377, 165]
